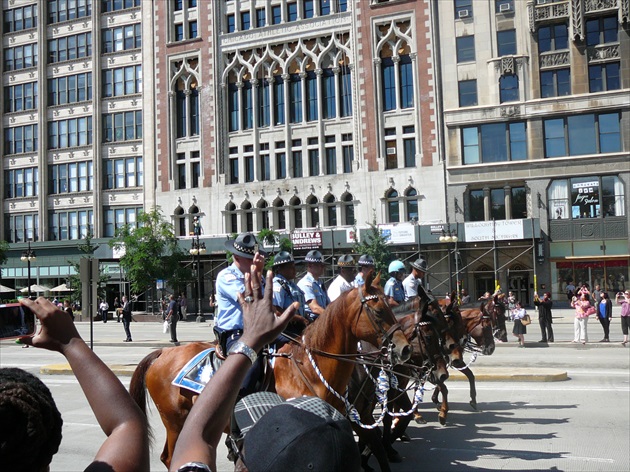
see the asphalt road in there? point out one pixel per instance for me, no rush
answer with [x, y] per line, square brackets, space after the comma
[581, 424]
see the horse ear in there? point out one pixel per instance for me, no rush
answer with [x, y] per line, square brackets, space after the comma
[377, 280]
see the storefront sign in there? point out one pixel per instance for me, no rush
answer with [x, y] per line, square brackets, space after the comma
[306, 239]
[502, 230]
[398, 234]
[352, 235]
[437, 229]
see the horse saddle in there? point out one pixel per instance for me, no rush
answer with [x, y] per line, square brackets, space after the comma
[199, 370]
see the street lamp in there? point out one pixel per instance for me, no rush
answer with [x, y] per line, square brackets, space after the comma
[197, 250]
[28, 256]
[450, 236]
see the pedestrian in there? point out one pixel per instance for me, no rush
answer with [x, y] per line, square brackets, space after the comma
[511, 300]
[604, 315]
[583, 309]
[623, 299]
[183, 305]
[394, 291]
[103, 308]
[212, 305]
[597, 294]
[416, 277]
[285, 293]
[519, 330]
[117, 309]
[172, 317]
[343, 281]
[68, 309]
[366, 268]
[545, 318]
[465, 297]
[314, 291]
[570, 290]
[126, 318]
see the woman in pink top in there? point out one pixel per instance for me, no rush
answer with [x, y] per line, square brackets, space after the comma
[624, 300]
[582, 307]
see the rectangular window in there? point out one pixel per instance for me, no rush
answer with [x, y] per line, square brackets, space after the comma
[389, 84]
[276, 15]
[497, 204]
[313, 162]
[233, 106]
[233, 170]
[342, 5]
[181, 176]
[281, 165]
[324, 7]
[311, 96]
[122, 126]
[296, 158]
[582, 134]
[553, 38]
[295, 99]
[63, 10]
[467, 90]
[70, 178]
[495, 142]
[179, 32]
[278, 97]
[328, 94]
[246, 22]
[406, 82]
[249, 169]
[125, 38]
[519, 203]
[20, 57]
[409, 146]
[506, 42]
[22, 18]
[345, 87]
[348, 156]
[265, 167]
[122, 81]
[116, 219]
[331, 161]
[248, 105]
[463, 9]
[602, 31]
[20, 139]
[21, 227]
[261, 19]
[195, 168]
[292, 11]
[21, 182]
[555, 83]
[263, 102]
[20, 97]
[231, 23]
[508, 88]
[70, 47]
[603, 77]
[465, 48]
[309, 8]
[192, 29]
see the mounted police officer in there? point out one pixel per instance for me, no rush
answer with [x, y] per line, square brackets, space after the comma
[412, 281]
[229, 314]
[285, 292]
[394, 291]
[314, 292]
[366, 267]
[343, 281]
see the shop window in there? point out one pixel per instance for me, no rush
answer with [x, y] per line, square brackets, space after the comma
[586, 197]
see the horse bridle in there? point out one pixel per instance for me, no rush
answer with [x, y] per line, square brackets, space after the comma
[470, 344]
[377, 324]
[493, 317]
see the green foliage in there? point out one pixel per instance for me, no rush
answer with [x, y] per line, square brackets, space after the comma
[375, 245]
[272, 238]
[74, 281]
[4, 248]
[151, 252]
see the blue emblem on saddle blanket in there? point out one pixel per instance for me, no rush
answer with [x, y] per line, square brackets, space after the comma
[198, 371]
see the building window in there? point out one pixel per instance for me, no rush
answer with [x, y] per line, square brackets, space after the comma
[71, 178]
[297, 164]
[20, 57]
[495, 142]
[232, 98]
[70, 225]
[311, 96]
[602, 30]
[122, 38]
[348, 157]
[295, 99]
[503, 6]
[603, 77]
[519, 203]
[22, 18]
[328, 94]
[192, 30]
[296, 205]
[309, 8]
[248, 215]
[553, 38]
[508, 85]
[506, 42]
[463, 9]
[465, 48]
[411, 205]
[231, 23]
[312, 209]
[555, 83]
[263, 213]
[409, 147]
[476, 201]
[22, 227]
[276, 15]
[405, 86]
[246, 22]
[70, 133]
[393, 206]
[122, 81]
[406, 82]
[114, 219]
[20, 139]
[389, 84]
[178, 5]
[347, 206]
[233, 169]
[70, 89]
[582, 134]
[342, 5]
[345, 87]
[265, 167]
[187, 101]
[331, 161]
[263, 97]
[292, 11]
[122, 126]
[63, 10]
[21, 182]
[123, 173]
[280, 217]
[313, 162]
[278, 100]
[281, 165]
[261, 19]
[231, 218]
[115, 5]
[586, 197]
[20, 97]
[324, 7]
[70, 47]
[467, 90]
[331, 210]
[248, 105]
[249, 169]
[497, 204]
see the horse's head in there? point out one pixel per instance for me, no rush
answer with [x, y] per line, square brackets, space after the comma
[438, 312]
[427, 351]
[479, 328]
[495, 308]
[375, 322]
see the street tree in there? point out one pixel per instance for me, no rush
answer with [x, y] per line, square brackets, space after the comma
[151, 253]
[278, 243]
[374, 244]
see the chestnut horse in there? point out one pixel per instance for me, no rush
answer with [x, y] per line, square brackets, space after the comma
[357, 315]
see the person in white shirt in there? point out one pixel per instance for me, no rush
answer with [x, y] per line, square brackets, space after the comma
[103, 308]
[343, 281]
[411, 282]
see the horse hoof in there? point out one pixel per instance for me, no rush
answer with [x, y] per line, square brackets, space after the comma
[404, 438]
[442, 420]
[420, 420]
[393, 456]
[473, 404]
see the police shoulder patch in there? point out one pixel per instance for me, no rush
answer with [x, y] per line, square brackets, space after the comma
[229, 277]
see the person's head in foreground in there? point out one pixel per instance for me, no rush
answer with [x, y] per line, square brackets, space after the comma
[304, 433]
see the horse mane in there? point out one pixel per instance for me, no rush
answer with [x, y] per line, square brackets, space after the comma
[405, 307]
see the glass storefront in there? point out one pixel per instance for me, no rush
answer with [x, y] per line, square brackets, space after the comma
[611, 275]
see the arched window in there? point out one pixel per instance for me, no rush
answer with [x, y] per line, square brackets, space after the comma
[393, 207]
[263, 215]
[296, 206]
[347, 209]
[186, 90]
[331, 210]
[411, 204]
[231, 218]
[279, 216]
[312, 211]
[248, 216]
[180, 221]
[396, 65]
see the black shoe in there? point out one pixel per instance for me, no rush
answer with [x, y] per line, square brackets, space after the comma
[405, 438]
[171, 341]
[542, 341]
[604, 341]
[126, 340]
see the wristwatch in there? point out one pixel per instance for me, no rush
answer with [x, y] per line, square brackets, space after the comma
[241, 348]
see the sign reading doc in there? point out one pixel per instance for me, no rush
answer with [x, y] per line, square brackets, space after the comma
[501, 230]
[306, 239]
[398, 234]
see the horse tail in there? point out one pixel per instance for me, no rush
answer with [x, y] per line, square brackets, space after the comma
[138, 387]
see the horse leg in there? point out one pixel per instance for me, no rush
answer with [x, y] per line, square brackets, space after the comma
[473, 390]
[388, 439]
[373, 439]
[444, 406]
[435, 396]
[404, 404]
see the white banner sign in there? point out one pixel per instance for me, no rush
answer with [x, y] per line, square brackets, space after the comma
[399, 234]
[352, 236]
[501, 230]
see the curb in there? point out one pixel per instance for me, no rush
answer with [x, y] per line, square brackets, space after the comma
[64, 369]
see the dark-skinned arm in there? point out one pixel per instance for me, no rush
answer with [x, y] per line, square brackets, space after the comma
[127, 445]
[211, 412]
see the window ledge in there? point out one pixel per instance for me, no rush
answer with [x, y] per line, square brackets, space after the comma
[173, 44]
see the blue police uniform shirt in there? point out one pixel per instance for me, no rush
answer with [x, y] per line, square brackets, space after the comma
[230, 282]
[394, 288]
[313, 290]
[283, 297]
[358, 280]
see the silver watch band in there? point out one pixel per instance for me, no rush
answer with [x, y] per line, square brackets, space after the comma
[240, 347]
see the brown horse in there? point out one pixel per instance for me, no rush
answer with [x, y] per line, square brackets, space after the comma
[357, 315]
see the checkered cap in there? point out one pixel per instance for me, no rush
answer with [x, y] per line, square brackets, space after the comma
[245, 245]
[366, 260]
[346, 261]
[314, 256]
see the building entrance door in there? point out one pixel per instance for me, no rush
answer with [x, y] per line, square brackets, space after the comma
[519, 285]
[483, 285]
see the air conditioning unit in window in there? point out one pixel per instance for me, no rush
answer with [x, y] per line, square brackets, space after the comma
[505, 7]
[463, 14]
[391, 151]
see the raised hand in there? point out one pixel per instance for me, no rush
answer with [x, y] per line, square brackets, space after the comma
[57, 328]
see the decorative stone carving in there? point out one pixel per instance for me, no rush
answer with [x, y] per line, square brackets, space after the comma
[596, 5]
[625, 11]
[507, 65]
[510, 111]
[554, 59]
[12, 120]
[602, 52]
[577, 19]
